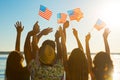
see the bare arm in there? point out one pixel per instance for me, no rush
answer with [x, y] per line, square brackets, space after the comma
[89, 56]
[77, 39]
[44, 32]
[59, 48]
[105, 36]
[57, 36]
[19, 29]
[34, 45]
[36, 39]
[64, 49]
[64, 54]
[63, 43]
[28, 46]
[65, 25]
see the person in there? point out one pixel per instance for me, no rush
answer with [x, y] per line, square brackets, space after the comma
[76, 65]
[47, 65]
[14, 65]
[103, 66]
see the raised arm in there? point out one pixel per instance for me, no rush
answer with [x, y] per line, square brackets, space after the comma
[63, 43]
[36, 39]
[77, 39]
[19, 29]
[65, 25]
[89, 56]
[64, 50]
[58, 35]
[44, 32]
[59, 47]
[34, 46]
[27, 45]
[105, 36]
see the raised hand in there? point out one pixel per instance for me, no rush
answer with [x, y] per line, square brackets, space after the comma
[19, 26]
[36, 27]
[75, 32]
[46, 31]
[60, 31]
[66, 24]
[106, 33]
[33, 32]
[19, 29]
[88, 36]
[57, 35]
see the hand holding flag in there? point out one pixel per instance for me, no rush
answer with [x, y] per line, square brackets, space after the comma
[66, 24]
[99, 25]
[61, 17]
[75, 14]
[106, 33]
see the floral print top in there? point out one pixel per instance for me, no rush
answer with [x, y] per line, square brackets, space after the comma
[43, 72]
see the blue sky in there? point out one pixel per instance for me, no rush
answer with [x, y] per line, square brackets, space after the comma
[26, 11]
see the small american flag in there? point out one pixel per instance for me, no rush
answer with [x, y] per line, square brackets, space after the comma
[99, 24]
[61, 17]
[75, 14]
[45, 12]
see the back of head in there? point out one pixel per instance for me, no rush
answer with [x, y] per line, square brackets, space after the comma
[47, 52]
[102, 65]
[78, 66]
[13, 64]
[49, 42]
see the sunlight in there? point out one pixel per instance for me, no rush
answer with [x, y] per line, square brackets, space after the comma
[116, 76]
[111, 14]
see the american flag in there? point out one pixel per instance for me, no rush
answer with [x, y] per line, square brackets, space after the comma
[45, 12]
[99, 24]
[75, 14]
[61, 17]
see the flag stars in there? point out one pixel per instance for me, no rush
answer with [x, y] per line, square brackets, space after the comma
[42, 8]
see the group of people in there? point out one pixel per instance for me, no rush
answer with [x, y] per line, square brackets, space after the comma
[50, 61]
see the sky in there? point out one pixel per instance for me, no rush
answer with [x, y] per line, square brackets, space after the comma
[26, 11]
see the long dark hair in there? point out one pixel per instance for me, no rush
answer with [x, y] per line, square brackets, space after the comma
[13, 64]
[103, 66]
[77, 65]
